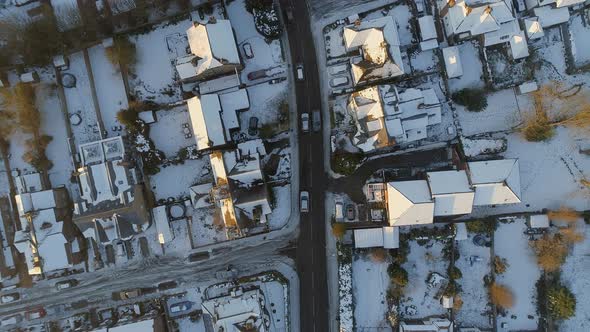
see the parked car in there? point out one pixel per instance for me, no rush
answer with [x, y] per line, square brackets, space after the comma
[317, 121]
[127, 294]
[339, 211]
[167, 285]
[248, 50]
[65, 284]
[252, 126]
[35, 313]
[11, 320]
[10, 297]
[350, 214]
[180, 306]
[289, 14]
[305, 122]
[299, 72]
[277, 80]
[304, 201]
[257, 74]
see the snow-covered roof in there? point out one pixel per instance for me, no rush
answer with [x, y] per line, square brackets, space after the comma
[379, 41]
[147, 116]
[218, 167]
[200, 195]
[107, 181]
[390, 237]
[222, 83]
[539, 221]
[234, 310]
[428, 45]
[366, 103]
[121, 6]
[519, 46]
[427, 28]
[24, 244]
[409, 203]
[28, 182]
[231, 103]
[205, 116]
[452, 61]
[368, 237]
[533, 28]
[251, 147]
[98, 151]
[141, 326]
[451, 192]
[567, 3]
[367, 110]
[495, 181]
[549, 16]
[247, 170]
[475, 18]
[163, 229]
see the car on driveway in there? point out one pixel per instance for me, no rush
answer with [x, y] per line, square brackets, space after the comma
[10, 297]
[127, 294]
[65, 284]
[180, 307]
[304, 201]
[252, 126]
[247, 48]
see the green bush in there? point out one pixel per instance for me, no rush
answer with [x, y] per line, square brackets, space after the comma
[481, 226]
[473, 99]
[346, 163]
[398, 274]
[561, 303]
[454, 273]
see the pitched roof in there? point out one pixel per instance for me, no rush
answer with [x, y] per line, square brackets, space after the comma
[452, 61]
[205, 116]
[477, 18]
[451, 192]
[409, 203]
[495, 181]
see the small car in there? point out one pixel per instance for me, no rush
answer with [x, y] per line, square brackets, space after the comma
[305, 122]
[317, 121]
[247, 48]
[35, 313]
[299, 72]
[350, 213]
[304, 201]
[289, 14]
[65, 284]
[181, 306]
[253, 126]
[10, 297]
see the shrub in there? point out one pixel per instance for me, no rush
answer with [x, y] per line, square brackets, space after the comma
[398, 275]
[500, 265]
[501, 296]
[451, 289]
[338, 229]
[473, 99]
[346, 163]
[551, 251]
[564, 214]
[127, 117]
[481, 226]
[561, 303]
[454, 273]
[379, 255]
[122, 53]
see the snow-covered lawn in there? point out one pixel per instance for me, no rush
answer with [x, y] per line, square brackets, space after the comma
[418, 295]
[265, 100]
[580, 32]
[575, 276]
[550, 53]
[53, 124]
[274, 293]
[402, 16]
[168, 132]
[110, 90]
[80, 104]
[424, 61]
[472, 69]
[153, 77]
[205, 229]
[282, 209]
[502, 113]
[473, 292]
[370, 282]
[175, 180]
[17, 150]
[4, 184]
[521, 275]
[182, 238]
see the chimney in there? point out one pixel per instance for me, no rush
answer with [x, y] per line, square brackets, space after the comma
[488, 10]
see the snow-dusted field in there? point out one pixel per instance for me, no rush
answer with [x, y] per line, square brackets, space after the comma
[153, 77]
[110, 90]
[472, 69]
[575, 276]
[521, 275]
[473, 292]
[80, 104]
[418, 297]
[580, 32]
[168, 133]
[175, 180]
[370, 282]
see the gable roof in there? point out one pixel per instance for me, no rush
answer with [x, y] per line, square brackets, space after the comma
[451, 192]
[495, 181]
[205, 116]
[409, 203]
[476, 18]
[452, 61]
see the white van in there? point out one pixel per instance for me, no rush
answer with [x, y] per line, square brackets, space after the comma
[339, 210]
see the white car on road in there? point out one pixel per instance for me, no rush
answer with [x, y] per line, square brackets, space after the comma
[304, 201]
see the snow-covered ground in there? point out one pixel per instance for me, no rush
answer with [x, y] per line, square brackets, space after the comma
[4, 184]
[472, 69]
[370, 282]
[402, 16]
[575, 276]
[265, 100]
[418, 296]
[153, 77]
[474, 263]
[168, 133]
[425, 61]
[175, 180]
[110, 90]
[206, 227]
[280, 214]
[580, 32]
[80, 103]
[521, 275]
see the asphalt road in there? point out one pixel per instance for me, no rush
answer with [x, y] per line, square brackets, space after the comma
[311, 253]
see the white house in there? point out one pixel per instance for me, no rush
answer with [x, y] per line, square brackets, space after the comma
[530, 4]
[495, 181]
[205, 116]
[378, 47]
[367, 110]
[409, 203]
[386, 237]
[236, 311]
[213, 52]
[428, 34]
[451, 192]
[453, 65]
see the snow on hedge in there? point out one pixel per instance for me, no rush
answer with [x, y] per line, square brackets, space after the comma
[475, 147]
[346, 308]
